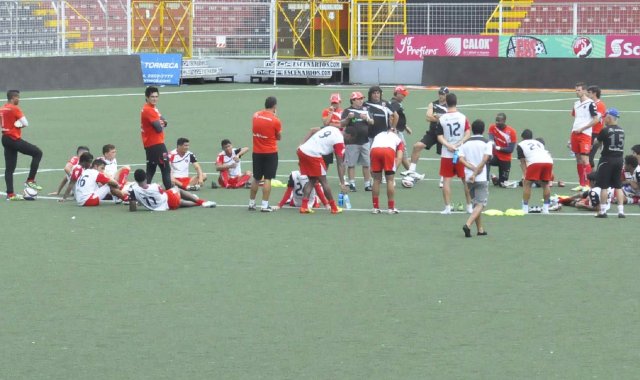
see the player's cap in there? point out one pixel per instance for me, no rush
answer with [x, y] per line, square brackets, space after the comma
[613, 112]
[356, 95]
[335, 98]
[443, 90]
[401, 90]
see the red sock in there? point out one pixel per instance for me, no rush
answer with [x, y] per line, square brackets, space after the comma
[587, 171]
[305, 202]
[122, 178]
[392, 204]
[199, 202]
[376, 202]
[333, 204]
[31, 180]
[580, 168]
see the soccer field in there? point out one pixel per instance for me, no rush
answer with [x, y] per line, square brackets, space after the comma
[226, 294]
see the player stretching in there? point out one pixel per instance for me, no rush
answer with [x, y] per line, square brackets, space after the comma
[153, 197]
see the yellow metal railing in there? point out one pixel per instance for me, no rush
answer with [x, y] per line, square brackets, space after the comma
[382, 20]
[88, 43]
[507, 17]
[162, 27]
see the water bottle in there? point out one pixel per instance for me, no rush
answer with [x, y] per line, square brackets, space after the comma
[347, 202]
[340, 199]
[455, 156]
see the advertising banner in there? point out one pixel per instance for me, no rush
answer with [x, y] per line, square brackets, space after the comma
[552, 46]
[623, 46]
[410, 47]
[161, 68]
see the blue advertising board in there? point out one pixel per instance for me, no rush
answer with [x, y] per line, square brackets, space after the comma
[161, 68]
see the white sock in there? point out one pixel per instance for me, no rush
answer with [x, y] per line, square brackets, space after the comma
[545, 207]
[252, 202]
[603, 208]
[525, 207]
[412, 167]
[620, 209]
[265, 204]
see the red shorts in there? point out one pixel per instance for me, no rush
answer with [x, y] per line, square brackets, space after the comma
[448, 169]
[232, 182]
[184, 181]
[93, 200]
[539, 172]
[173, 199]
[383, 159]
[580, 143]
[311, 166]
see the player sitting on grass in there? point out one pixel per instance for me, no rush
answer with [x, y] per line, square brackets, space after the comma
[293, 195]
[111, 168]
[68, 167]
[153, 197]
[179, 159]
[91, 184]
[228, 164]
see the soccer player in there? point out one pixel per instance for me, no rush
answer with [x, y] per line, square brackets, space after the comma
[91, 185]
[179, 159]
[585, 117]
[316, 144]
[152, 128]
[153, 197]
[267, 131]
[13, 121]
[386, 155]
[537, 165]
[504, 142]
[399, 119]
[379, 111]
[632, 184]
[594, 92]
[435, 109]
[474, 155]
[111, 168]
[294, 194]
[453, 130]
[331, 117]
[68, 167]
[611, 161]
[228, 164]
[357, 151]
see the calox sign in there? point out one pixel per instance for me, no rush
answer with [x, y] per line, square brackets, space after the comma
[408, 47]
[623, 46]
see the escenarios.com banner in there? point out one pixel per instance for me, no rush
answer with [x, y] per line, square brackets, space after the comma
[161, 68]
[415, 47]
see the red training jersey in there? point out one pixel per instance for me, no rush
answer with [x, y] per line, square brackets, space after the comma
[266, 126]
[9, 114]
[502, 138]
[601, 109]
[150, 136]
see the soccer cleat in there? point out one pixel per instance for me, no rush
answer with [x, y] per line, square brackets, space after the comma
[621, 215]
[459, 207]
[267, 209]
[15, 197]
[32, 185]
[247, 185]
[214, 184]
[393, 211]
[577, 188]
[416, 176]
[494, 180]
[376, 211]
[586, 188]
[446, 211]
[352, 188]
[252, 207]
[337, 210]
[306, 210]
[209, 204]
[467, 230]
[368, 188]
[483, 233]
[599, 215]
[406, 172]
[193, 188]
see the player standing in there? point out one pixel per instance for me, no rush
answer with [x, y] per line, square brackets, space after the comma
[331, 117]
[152, 125]
[537, 166]
[399, 120]
[611, 161]
[453, 130]
[267, 131]
[386, 154]
[12, 121]
[594, 92]
[357, 151]
[585, 117]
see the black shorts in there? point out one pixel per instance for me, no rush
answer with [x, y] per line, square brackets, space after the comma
[609, 173]
[265, 165]
[157, 154]
[430, 139]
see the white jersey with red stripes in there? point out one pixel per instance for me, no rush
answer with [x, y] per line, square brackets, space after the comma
[180, 164]
[223, 159]
[534, 152]
[454, 125]
[298, 181]
[152, 197]
[325, 141]
[111, 166]
[583, 112]
[388, 139]
[88, 181]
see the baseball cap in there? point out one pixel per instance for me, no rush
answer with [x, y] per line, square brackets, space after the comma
[613, 112]
[443, 90]
[356, 95]
[335, 98]
[401, 90]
